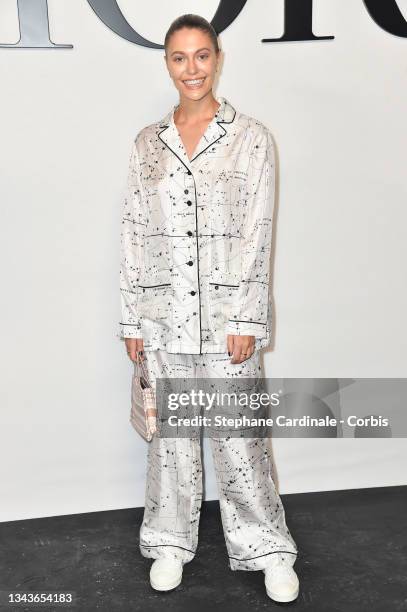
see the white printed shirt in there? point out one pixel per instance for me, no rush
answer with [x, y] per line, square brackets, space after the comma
[196, 235]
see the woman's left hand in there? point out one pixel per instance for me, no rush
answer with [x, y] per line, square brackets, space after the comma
[240, 347]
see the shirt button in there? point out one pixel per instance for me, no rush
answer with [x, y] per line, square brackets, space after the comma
[190, 263]
[189, 172]
[192, 292]
[186, 191]
[189, 233]
[189, 202]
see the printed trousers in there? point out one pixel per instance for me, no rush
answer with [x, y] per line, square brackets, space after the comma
[252, 514]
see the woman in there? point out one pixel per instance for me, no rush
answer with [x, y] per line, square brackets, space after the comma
[194, 279]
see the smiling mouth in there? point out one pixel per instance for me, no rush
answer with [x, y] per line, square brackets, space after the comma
[194, 83]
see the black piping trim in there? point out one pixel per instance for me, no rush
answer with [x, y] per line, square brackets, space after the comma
[200, 235]
[151, 286]
[223, 285]
[173, 545]
[197, 259]
[165, 125]
[212, 143]
[227, 122]
[132, 324]
[203, 150]
[215, 141]
[244, 321]
[168, 147]
[287, 552]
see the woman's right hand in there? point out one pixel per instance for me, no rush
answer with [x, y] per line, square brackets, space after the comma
[134, 346]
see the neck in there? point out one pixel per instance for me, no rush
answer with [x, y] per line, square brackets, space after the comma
[194, 111]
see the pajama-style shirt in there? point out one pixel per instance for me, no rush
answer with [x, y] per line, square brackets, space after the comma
[196, 235]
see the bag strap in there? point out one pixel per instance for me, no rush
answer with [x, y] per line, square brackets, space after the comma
[142, 368]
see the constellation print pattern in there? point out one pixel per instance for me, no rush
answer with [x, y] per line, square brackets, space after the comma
[196, 235]
[252, 513]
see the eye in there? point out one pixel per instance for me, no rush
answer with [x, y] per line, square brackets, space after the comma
[178, 58]
[205, 56]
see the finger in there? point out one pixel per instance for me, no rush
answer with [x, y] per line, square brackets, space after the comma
[140, 349]
[246, 348]
[131, 347]
[230, 344]
[244, 351]
[127, 344]
[237, 349]
[133, 352]
[250, 350]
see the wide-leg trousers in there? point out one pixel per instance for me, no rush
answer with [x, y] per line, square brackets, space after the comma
[253, 517]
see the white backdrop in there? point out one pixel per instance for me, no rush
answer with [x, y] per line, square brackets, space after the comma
[337, 113]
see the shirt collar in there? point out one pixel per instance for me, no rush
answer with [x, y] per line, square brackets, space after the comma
[169, 135]
[225, 113]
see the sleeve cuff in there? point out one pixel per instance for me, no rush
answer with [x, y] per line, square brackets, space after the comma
[246, 328]
[129, 330]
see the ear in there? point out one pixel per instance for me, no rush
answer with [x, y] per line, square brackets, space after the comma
[218, 59]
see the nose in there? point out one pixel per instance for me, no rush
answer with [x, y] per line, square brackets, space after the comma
[191, 66]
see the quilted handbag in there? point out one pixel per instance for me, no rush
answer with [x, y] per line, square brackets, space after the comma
[143, 414]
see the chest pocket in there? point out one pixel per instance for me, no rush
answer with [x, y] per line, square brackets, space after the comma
[155, 301]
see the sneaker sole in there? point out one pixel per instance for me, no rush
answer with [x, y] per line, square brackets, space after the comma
[282, 599]
[167, 587]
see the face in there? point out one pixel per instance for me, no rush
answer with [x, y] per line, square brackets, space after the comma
[192, 62]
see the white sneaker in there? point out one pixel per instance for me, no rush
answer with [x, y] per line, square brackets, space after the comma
[281, 581]
[165, 574]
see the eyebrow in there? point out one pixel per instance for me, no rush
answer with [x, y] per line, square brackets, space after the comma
[181, 52]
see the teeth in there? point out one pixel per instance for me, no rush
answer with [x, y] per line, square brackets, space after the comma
[194, 82]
